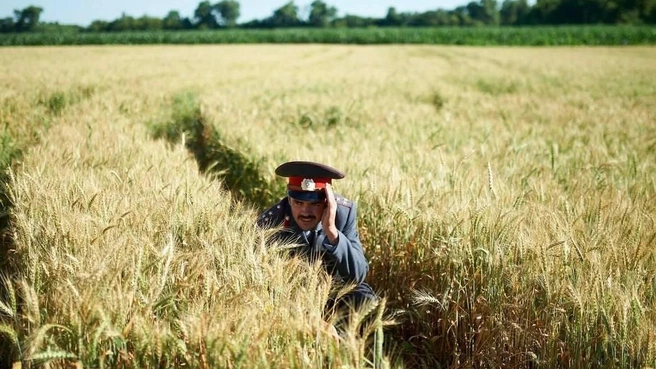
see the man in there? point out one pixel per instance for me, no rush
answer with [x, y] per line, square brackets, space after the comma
[324, 224]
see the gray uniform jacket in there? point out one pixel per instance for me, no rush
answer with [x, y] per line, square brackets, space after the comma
[345, 261]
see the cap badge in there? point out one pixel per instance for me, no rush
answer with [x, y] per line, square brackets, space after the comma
[308, 184]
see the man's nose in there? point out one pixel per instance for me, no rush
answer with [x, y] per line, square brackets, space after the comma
[305, 208]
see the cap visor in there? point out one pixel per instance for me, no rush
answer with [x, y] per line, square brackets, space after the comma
[309, 196]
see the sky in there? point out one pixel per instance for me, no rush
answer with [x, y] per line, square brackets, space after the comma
[83, 12]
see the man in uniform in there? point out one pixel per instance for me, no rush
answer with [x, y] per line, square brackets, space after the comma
[324, 224]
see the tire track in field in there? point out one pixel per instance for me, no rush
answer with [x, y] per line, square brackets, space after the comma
[239, 171]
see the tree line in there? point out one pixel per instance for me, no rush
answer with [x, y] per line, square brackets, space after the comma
[225, 14]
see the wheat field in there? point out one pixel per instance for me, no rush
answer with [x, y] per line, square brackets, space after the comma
[507, 199]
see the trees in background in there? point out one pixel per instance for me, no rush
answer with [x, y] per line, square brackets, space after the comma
[228, 12]
[514, 12]
[284, 17]
[225, 13]
[221, 14]
[172, 21]
[24, 20]
[484, 12]
[321, 14]
[204, 16]
[7, 25]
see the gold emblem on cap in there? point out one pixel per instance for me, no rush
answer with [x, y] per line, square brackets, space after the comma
[308, 184]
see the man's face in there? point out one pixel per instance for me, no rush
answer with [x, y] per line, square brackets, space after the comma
[307, 214]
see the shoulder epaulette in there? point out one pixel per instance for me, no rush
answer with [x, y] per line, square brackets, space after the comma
[340, 200]
[272, 217]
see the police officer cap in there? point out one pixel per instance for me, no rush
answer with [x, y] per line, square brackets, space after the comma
[307, 180]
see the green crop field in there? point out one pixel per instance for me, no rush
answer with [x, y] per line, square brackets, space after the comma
[535, 35]
[507, 201]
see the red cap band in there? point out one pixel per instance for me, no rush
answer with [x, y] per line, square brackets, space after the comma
[307, 184]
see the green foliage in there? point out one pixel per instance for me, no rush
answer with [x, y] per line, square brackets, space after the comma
[530, 36]
[437, 100]
[514, 12]
[285, 16]
[185, 116]
[475, 13]
[55, 102]
[204, 15]
[172, 20]
[485, 12]
[497, 87]
[9, 150]
[330, 117]
[321, 15]
[28, 18]
[228, 11]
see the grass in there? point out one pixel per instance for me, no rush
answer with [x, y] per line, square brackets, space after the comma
[505, 199]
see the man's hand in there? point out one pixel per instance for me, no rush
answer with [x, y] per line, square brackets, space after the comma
[328, 218]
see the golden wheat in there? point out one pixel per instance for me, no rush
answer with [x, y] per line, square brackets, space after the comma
[121, 233]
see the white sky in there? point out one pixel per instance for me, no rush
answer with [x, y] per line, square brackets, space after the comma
[83, 12]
